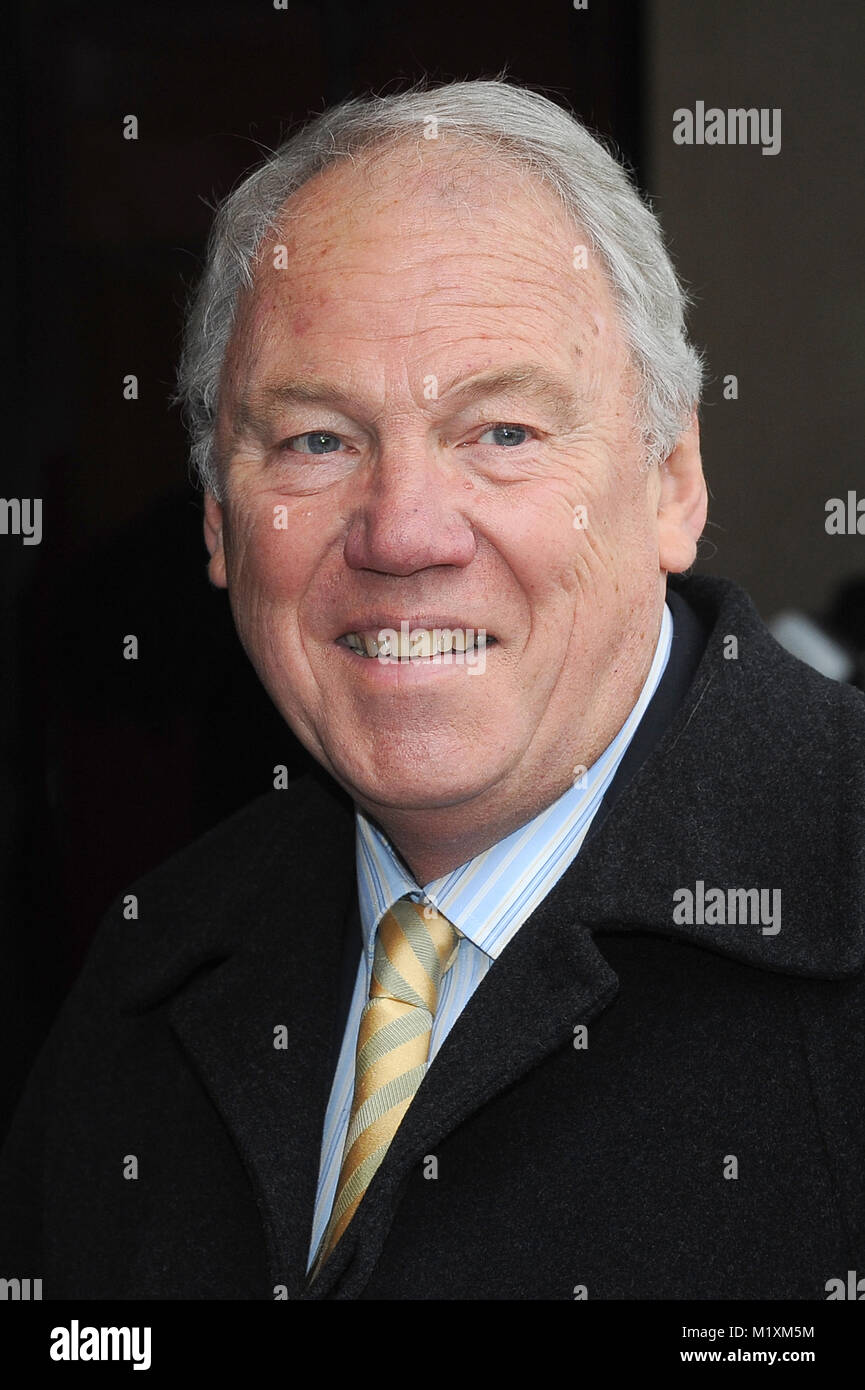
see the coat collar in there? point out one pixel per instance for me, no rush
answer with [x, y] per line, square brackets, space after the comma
[757, 782]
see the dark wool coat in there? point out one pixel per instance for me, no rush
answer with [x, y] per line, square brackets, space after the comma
[706, 1142]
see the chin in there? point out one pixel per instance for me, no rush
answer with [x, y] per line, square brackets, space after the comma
[428, 784]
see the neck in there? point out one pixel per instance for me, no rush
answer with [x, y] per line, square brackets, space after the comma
[434, 841]
[442, 839]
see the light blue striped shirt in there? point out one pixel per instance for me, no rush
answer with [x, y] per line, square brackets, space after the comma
[488, 899]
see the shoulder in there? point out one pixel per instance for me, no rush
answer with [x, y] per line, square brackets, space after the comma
[306, 820]
[212, 896]
[757, 782]
[749, 669]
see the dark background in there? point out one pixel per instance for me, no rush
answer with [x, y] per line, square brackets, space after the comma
[109, 765]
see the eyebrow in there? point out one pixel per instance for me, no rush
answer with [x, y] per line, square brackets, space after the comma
[256, 407]
[564, 401]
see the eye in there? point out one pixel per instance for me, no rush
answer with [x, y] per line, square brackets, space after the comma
[506, 436]
[313, 442]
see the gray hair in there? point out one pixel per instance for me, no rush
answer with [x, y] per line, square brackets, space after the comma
[525, 128]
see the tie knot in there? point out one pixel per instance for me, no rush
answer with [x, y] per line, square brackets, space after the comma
[415, 946]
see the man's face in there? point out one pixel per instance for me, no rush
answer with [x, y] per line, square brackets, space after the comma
[426, 418]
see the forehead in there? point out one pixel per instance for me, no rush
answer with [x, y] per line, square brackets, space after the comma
[422, 187]
[419, 248]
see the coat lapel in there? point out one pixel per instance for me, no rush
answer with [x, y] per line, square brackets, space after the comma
[265, 957]
[271, 1098]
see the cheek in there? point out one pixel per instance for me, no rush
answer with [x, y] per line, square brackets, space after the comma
[577, 563]
[547, 546]
[270, 556]
[270, 565]
[613, 526]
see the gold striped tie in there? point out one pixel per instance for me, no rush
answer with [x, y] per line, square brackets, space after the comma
[414, 947]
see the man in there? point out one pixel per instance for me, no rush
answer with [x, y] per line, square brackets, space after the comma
[552, 986]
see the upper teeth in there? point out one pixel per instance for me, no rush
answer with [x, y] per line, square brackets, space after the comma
[420, 642]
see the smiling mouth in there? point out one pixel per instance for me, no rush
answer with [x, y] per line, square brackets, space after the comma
[419, 644]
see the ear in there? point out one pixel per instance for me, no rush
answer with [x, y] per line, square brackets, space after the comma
[682, 502]
[213, 526]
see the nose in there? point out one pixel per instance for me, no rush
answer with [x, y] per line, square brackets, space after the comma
[409, 517]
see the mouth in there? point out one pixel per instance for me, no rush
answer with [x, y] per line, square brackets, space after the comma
[416, 643]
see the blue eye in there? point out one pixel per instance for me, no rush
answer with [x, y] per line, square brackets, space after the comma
[507, 436]
[314, 442]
